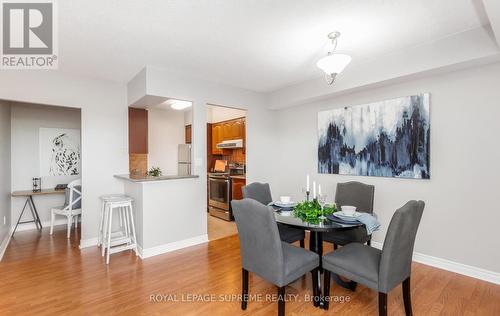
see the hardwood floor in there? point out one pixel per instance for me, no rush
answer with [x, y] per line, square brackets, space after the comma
[219, 228]
[48, 275]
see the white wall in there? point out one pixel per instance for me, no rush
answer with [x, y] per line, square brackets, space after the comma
[5, 180]
[104, 129]
[217, 114]
[165, 132]
[27, 119]
[188, 117]
[460, 221]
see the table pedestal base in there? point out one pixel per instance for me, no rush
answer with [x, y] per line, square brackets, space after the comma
[316, 245]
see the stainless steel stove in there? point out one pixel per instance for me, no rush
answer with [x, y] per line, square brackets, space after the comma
[219, 191]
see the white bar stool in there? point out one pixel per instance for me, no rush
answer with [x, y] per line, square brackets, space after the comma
[104, 200]
[125, 238]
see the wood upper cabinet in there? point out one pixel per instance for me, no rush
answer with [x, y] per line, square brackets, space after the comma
[188, 133]
[233, 129]
[236, 129]
[227, 130]
[137, 131]
[216, 138]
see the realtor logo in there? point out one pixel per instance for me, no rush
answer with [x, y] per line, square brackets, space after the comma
[28, 35]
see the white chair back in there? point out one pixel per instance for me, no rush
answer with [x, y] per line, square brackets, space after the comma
[72, 191]
[75, 183]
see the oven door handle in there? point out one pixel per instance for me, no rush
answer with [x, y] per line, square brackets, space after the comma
[219, 179]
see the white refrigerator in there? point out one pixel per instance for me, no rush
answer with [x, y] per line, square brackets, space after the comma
[184, 160]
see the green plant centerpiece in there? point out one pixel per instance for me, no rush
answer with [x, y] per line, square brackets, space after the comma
[154, 172]
[310, 211]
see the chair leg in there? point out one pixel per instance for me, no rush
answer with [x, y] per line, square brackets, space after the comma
[52, 219]
[126, 218]
[316, 289]
[281, 301]
[68, 228]
[108, 241]
[244, 289]
[133, 228]
[104, 230]
[326, 287]
[120, 216]
[407, 297]
[369, 242]
[382, 304]
[302, 243]
[100, 239]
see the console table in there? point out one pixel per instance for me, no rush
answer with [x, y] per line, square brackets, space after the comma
[31, 203]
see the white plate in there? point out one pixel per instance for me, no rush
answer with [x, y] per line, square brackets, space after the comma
[341, 214]
[285, 205]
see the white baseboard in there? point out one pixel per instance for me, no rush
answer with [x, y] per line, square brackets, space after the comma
[87, 243]
[5, 243]
[460, 268]
[158, 250]
[32, 226]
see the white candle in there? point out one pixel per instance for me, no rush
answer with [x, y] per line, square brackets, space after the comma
[314, 190]
[307, 183]
[319, 189]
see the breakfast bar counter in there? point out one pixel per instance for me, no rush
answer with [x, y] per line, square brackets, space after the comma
[167, 212]
[132, 178]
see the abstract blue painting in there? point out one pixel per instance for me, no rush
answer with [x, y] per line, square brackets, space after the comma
[389, 138]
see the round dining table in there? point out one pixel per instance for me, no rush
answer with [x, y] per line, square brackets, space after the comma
[316, 231]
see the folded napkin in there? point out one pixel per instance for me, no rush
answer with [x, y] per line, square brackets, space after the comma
[370, 221]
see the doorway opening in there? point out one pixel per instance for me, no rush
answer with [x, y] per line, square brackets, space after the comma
[44, 169]
[226, 166]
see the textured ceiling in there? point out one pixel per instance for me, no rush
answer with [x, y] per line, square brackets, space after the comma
[257, 45]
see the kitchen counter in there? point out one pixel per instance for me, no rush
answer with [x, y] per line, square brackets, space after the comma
[150, 178]
[168, 214]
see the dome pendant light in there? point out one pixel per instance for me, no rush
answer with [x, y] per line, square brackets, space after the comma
[333, 63]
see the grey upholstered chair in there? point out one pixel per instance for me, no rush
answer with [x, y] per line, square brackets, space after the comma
[380, 270]
[261, 192]
[263, 253]
[355, 194]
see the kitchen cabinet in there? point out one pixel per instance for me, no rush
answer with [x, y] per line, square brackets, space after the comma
[137, 131]
[138, 141]
[187, 135]
[236, 129]
[244, 135]
[237, 184]
[227, 130]
[216, 138]
[232, 129]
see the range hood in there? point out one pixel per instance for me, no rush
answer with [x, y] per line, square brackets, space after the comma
[230, 144]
